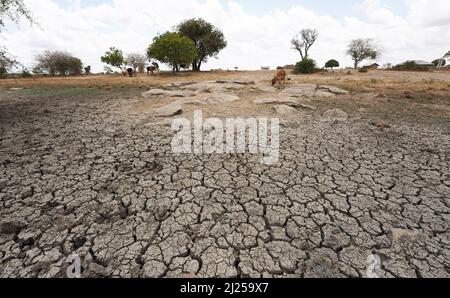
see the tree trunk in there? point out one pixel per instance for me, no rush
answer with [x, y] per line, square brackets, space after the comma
[199, 65]
[356, 64]
[174, 69]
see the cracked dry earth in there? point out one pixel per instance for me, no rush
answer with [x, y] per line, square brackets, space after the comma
[95, 176]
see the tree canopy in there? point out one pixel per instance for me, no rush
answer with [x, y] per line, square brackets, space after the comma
[114, 57]
[332, 63]
[172, 48]
[362, 49]
[58, 62]
[208, 40]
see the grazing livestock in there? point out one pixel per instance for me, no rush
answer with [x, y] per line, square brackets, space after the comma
[280, 78]
[130, 72]
[151, 70]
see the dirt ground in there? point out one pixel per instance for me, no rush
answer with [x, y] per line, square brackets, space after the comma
[86, 168]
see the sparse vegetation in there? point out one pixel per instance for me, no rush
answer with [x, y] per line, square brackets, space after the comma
[304, 41]
[362, 49]
[58, 63]
[136, 61]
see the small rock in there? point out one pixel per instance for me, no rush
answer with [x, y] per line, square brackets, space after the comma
[323, 94]
[12, 226]
[167, 93]
[26, 238]
[333, 89]
[169, 110]
[243, 82]
[276, 100]
[284, 110]
[304, 90]
[218, 98]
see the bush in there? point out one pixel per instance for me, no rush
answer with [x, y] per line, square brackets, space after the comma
[56, 62]
[411, 66]
[3, 72]
[26, 74]
[363, 70]
[305, 66]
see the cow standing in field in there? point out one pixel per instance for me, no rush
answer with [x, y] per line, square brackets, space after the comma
[130, 72]
[151, 70]
[280, 78]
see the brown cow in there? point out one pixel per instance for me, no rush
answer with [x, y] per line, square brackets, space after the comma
[280, 78]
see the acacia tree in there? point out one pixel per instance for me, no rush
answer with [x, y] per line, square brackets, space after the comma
[304, 40]
[13, 10]
[332, 63]
[136, 61]
[208, 40]
[114, 57]
[362, 49]
[57, 62]
[173, 49]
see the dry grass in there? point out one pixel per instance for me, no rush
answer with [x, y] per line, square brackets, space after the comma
[388, 82]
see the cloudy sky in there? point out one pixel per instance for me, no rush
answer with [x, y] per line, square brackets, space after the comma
[258, 32]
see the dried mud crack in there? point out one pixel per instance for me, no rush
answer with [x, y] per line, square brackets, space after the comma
[83, 175]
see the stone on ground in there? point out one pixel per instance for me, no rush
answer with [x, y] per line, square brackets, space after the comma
[284, 110]
[169, 110]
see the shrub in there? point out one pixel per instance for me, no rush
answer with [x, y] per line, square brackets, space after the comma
[363, 70]
[56, 62]
[411, 66]
[305, 66]
[3, 72]
[26, 74]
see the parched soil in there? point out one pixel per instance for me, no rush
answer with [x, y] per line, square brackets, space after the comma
[87, 169]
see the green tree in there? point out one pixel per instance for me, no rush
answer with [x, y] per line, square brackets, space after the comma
[114, 57]
[173, 49]
[208, 40]
[87, 70]
[362, 49]
[332, 63]
[305, 66]
[442, 62]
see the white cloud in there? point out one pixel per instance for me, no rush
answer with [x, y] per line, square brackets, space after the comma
[253, 41]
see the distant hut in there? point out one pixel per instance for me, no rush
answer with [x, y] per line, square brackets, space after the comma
[372, 66]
